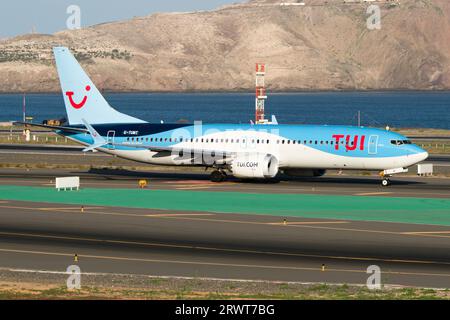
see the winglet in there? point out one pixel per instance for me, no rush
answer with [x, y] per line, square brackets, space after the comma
[99, 141]
[274, 119]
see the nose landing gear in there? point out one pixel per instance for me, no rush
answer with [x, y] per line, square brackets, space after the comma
[386, 174]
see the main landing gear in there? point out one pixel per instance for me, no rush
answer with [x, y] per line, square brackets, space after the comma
[385, 182]
[218, 176]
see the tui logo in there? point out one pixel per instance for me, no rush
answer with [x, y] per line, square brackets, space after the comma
[75, 105]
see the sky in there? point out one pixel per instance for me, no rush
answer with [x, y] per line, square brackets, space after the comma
[49, 16]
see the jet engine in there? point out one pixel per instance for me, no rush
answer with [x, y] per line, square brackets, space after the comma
[255, 166]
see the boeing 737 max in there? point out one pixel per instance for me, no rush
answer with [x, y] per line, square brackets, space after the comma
[244, 151]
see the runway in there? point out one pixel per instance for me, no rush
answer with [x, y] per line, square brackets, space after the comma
[173, 179]
[36, 236]
[46, 237]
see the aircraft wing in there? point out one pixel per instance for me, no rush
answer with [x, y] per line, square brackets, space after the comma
[67, 129]
[174, 149]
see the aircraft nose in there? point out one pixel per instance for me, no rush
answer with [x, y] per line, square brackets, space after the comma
[416, 155]
[419, 155]
[423, 156]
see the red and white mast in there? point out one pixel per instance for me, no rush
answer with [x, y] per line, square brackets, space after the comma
[260, 93]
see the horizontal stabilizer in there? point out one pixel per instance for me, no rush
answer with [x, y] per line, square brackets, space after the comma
[99, 141]
[66, 129]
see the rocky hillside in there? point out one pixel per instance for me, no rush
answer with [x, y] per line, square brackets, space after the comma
[322, 45]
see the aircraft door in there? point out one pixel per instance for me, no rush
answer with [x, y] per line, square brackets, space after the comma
[373, 144]
[110, 138]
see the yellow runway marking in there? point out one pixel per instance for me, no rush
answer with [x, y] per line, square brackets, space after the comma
[70, 208]
[193, 188]
[179, 214]
[427, 232]
[178, 246]
[308, 222]
[372, 193]
[216, 264]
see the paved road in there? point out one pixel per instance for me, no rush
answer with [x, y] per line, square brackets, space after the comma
[122, 240]
[176, 180]
[37, 236]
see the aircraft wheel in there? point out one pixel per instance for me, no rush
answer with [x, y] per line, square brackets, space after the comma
[216, 176]
[385, 182]
[224, 175]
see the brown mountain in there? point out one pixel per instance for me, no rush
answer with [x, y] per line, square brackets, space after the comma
[322, 45]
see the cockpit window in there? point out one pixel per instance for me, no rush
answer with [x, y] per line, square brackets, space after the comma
[400, 142]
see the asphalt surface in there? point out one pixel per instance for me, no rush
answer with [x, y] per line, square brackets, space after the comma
[182, 180]
[45, 237]
[37, 236]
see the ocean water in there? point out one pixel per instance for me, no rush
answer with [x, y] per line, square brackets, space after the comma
[396, 109]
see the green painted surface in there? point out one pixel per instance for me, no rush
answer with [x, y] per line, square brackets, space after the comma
[408, 210]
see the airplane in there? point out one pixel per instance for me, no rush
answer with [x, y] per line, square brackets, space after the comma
[245, 151]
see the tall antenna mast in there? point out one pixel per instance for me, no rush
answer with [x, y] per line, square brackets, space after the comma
[260, 93]
[24, 108]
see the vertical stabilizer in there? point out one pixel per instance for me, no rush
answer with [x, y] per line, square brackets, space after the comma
[82, 98]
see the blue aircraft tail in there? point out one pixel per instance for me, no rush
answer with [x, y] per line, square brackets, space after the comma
[82, 98]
